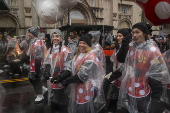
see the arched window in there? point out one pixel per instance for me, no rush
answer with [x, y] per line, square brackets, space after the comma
[76, 18]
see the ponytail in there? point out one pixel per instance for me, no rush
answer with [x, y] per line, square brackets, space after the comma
[60, 46]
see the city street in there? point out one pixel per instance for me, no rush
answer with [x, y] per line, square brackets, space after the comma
[20, 95]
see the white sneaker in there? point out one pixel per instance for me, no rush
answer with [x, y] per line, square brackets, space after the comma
[21, 68]
[27, 67]
[39, 98]
[16, 74]
[6, 66]
[44, 89]
[1, 71]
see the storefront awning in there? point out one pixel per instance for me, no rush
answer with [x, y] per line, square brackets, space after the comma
[4, 5]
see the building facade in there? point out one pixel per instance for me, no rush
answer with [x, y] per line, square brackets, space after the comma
[117, 13]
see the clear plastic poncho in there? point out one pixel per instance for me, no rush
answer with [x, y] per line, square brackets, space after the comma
[142, 62]
[108, 39]
[36, 49]
[13, 50]
[166, 56]
[86, 97]
[96, 47]
[2, 96]
[73, 46]
[114, 87]
[58, 61]
[24, 47]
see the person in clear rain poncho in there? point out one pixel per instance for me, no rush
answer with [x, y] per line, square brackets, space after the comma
[55, 62]
[23, 46]
[166, 56]
[87, 72]
[72, 44]
[13, 52]
[145, 75]
[36, 52]
[114, 78]
[96, 47]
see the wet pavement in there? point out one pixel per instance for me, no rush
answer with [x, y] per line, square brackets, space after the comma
[20, 94]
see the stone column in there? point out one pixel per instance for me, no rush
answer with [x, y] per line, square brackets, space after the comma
[35, 19]
[111, 12]
[21, 18]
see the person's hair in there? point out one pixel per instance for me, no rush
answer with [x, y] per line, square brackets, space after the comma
[87, 50]
[168, 36]
[72, 36]
[116, 44]
[146, 36]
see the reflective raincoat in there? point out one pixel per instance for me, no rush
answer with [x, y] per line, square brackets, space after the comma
[143, 63]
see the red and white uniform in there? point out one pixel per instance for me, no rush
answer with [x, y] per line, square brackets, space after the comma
[166, 56]
[58, 61]
[89, 70]
[84, 92]
[113, 58]
[36, 51]
[142, 62]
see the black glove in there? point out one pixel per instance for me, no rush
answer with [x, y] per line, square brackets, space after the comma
[115, 76]
[55, 79]
[46, 73]
[72, 79]
[62, 76]
[156, 106]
